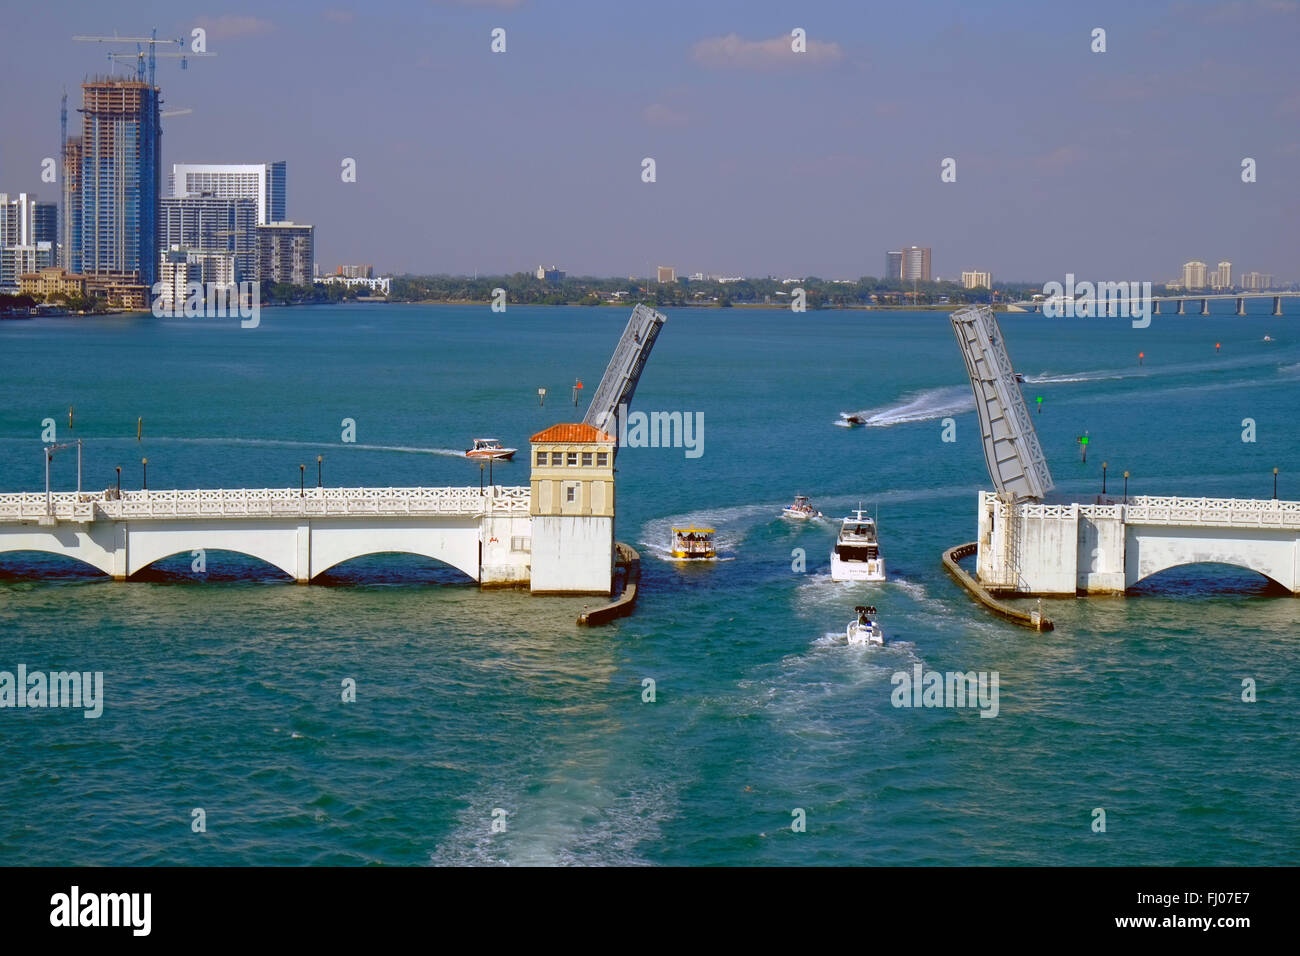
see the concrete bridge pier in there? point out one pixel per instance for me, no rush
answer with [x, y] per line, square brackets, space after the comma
[1156, 303]
[1205, 307]
[1277, 305]
[1182, 306]
[1241, 305]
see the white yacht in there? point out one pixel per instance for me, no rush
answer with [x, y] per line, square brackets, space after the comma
[856, 555]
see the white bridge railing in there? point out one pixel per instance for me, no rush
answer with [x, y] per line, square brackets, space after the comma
[264, 502]
[1173, 511]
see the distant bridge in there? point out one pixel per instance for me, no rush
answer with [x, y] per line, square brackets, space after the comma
[1205, 300]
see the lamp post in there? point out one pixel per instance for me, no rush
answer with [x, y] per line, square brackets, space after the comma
[144, 474]
[1126, 487]
[119, 481]
[1103, 477]
[320, 470]
[1275, 484]
[490, 481]
[302, 480]
[480, 477]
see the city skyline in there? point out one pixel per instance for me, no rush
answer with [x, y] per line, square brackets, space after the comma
[521, 161]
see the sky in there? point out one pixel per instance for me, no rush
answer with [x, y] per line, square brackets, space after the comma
[1112, 166]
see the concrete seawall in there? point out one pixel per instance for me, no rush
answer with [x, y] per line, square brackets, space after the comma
[630, 561]
[1030, 619]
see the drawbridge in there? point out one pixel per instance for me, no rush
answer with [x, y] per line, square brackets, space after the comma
[624, 370]
[1011, 449]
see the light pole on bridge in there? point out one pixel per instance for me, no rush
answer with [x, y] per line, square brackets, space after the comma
[144, 474]
[1275, 484]
[49, 456]
[320, 470]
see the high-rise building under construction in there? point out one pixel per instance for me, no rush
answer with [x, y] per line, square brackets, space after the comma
[120, 182]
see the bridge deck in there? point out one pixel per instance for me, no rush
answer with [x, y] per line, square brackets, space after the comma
[264, 502]
[1182, 512]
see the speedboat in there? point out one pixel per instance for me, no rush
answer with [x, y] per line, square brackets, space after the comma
[856, 555]
[1020, 378]
[1268, 338]
[802, 508]
[863, 630]
[693, 544]
[851, 421]
[490, 448]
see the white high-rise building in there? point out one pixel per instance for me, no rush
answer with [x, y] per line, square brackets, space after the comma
[975, 280]
[264, 182]
[1223, 277]
[1194, 275]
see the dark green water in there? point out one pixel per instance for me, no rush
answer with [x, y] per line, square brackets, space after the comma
[223, 690]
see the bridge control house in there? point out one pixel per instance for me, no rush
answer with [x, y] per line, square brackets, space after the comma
[572, 510]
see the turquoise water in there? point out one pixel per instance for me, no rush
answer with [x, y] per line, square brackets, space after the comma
[223, 690]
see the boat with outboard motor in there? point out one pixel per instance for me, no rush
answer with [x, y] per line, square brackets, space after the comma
[862, 629]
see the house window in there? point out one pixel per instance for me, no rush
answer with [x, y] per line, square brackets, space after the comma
[557, 459]
[518, 543]
[602, 459]
[573, 459]
[586, 459]
[541, 458]
[571, 494]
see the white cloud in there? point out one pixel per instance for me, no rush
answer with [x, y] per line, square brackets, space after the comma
[736, 53]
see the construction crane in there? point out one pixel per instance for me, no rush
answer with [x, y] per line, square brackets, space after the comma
[139, 57]
[152, 41]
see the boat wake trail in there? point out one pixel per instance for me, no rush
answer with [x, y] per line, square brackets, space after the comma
[286, 443]
[921, 406]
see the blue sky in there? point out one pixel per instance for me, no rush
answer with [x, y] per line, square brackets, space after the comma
[1116, 165]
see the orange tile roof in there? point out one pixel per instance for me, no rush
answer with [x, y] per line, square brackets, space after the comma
[572, 433]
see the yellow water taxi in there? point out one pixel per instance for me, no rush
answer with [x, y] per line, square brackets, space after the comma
[691, 544]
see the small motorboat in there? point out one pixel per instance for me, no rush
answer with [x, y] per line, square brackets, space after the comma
[1020, 378]
[801, 508]
[851, 421]
[490, 448]
[1268, 338]
[693, 544]
[862, 629]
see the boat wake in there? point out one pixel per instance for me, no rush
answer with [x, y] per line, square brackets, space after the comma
[920, 406]
[286, 443]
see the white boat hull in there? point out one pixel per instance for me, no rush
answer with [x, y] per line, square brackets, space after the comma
[865, 633]
[872, 570]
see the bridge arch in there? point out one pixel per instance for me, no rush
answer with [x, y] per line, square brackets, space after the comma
[455, 546]
[151, 550]
[1273, 554]
[439, 562]
[103, 563]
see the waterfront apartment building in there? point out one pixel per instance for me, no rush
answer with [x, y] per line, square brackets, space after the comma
[364, 271]
[553, 274]
[893, 265]
[285, 253]
[1193, 275]
[1222, 276]
[120, 184]
[911, 262]
[217, 227]
[1256, 281]
[264, 183]
[977, 280]
[28, 238]
[52, 280]
[666, 274]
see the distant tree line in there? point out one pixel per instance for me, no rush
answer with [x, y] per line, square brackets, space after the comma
[526, 289]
